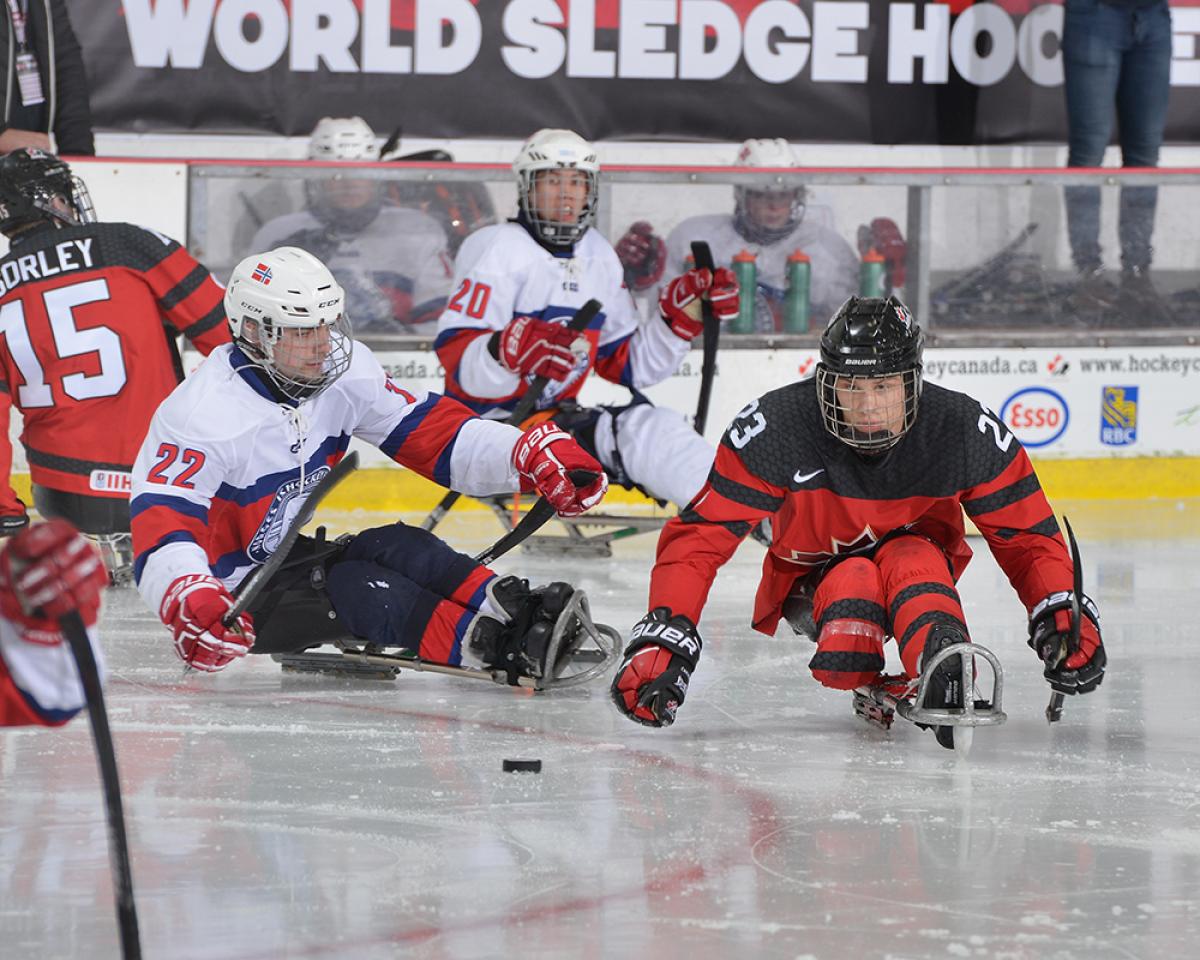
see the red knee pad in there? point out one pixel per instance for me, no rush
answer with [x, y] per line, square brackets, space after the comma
[849, 654]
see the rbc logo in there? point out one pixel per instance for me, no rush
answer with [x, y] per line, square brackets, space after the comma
[1037, 415]
[1118, 416]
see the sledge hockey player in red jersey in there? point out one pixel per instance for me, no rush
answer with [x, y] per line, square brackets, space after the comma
[46, 570]
[518, 284]
[865, 473]
[234, 451]
[90, 313]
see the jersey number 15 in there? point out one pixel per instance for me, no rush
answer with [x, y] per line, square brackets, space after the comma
[69, 341]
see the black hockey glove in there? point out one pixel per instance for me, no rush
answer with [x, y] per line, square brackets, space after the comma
[653, 678]
[1069, 668]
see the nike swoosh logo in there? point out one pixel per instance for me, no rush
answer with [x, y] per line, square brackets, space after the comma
[800, 478]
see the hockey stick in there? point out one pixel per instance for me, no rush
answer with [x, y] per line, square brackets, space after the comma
[702, 256]
[73, 629]
[538, 514]
[250, 588]
[1054, 708]
[583, 316]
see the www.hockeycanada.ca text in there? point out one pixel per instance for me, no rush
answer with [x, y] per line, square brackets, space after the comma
[1160, 364]
[1002, 366]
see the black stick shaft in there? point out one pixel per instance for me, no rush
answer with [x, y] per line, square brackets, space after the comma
[703, 258]
[583, 316]
[538, 514]
[106, 757]
[1054, 709]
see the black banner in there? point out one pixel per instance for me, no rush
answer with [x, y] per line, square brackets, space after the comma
[805, 70]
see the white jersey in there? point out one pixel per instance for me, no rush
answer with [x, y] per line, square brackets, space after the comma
[396, 271]
[39, 681]
[500, 273]
[833, 277]
[225, 466]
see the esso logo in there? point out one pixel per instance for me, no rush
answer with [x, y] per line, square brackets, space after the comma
[1037, 415]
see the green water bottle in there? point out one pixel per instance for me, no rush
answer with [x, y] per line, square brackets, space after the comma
[870, 274]
[795, 304]
[745, 268]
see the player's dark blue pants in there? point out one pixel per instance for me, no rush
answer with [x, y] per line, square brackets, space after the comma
[395, 586]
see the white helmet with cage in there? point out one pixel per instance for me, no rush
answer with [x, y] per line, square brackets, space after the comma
[342, 138]
[286, 314]
[773, 153]
[556, 150]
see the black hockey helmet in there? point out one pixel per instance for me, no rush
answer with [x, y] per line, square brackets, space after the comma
[35, 187]
[870, 349]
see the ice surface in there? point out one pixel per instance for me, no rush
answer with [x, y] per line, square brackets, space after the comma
[274, 816]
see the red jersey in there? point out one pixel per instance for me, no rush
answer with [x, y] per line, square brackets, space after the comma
[88, 320]
[826, 501]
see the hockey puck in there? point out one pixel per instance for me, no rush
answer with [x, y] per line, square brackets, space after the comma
[522, 766]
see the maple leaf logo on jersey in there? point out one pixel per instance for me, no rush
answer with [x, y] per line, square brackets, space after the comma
[837, 548]
[262, 273]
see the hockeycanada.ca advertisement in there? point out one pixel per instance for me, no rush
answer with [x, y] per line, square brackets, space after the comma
[865, 70]
[1060, 403]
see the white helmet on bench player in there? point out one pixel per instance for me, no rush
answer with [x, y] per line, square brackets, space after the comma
[344, 202]
[766, 213]
[550, 150]
[286, 314]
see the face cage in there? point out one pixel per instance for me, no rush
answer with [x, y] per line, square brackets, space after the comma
[838, 425]
[337, 361]
[74, 192]
[554, 231]
[342, 219]
[754, 232]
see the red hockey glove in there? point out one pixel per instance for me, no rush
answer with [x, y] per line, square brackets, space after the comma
[643, 255]
[885, 237]
[49, 570]
[679, 303]
[193, 607]
[537, 348]
[545, 456]
[1067, 670]
[653, 679]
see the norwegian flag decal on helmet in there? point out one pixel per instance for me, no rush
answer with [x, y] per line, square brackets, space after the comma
[262, 273]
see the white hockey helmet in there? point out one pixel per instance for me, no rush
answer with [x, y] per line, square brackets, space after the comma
[344, 203]
[554, 150]
[342, 138]
[289, 293]
[774, 153]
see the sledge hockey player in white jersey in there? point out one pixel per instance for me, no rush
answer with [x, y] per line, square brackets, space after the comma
[391, 261]
[768, 221]
[234, 451]
[518, 284]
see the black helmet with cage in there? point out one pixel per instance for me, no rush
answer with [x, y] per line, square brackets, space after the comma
[869, 375]
[37, 187]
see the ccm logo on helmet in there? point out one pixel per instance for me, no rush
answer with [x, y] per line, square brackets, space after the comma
[1037, 415]
[327, 303]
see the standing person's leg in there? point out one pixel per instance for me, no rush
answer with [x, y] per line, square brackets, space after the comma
[1142, 97]
[1091, 51]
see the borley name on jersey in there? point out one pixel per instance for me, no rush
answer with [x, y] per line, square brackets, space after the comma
[44, 264]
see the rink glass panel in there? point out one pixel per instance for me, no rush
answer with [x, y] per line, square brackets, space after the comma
[987, 255]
